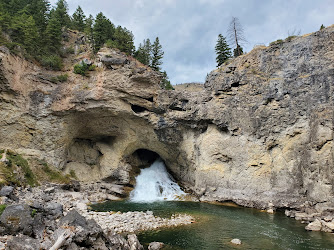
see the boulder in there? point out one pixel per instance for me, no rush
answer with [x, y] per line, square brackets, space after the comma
[23, 242]
[88, 232]
[86, 61]
[134, 242]
[236, 242]
[155, 245]
[314, 226]
[118, 241]
[72, 186]
[328, 226]
[8, 191]
[109, 61]
[17, 219]
[53, 209]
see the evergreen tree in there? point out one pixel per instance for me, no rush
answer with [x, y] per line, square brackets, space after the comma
[89, 28]
[4, 18]
[61, 13]
[222, 49]
[31, 36]
[165, 83]
[16, 29]
[78, 19]
[53, 35]
[143, 54]
[322, 27]
[238, 51]
[38, 9]
[157, 55]
[123, 40]
[102, 31]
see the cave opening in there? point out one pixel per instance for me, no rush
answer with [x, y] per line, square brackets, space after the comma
[138, 109]
[143, 158]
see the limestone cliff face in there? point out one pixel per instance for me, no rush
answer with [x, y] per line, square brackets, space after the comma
[260, 130]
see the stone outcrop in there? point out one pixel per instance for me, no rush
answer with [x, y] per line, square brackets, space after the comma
[259, 132]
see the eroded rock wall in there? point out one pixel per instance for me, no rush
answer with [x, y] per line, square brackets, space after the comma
[260, 131]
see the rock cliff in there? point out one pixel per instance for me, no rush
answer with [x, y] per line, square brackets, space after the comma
[259, 132]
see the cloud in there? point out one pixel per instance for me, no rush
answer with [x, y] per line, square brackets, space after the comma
[188, 29]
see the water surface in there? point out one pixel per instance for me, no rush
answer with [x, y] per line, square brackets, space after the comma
[216, 225]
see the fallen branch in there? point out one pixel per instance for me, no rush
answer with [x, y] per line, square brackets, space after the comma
[61, 239]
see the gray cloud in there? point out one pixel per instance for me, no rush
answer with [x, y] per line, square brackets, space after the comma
[188, 29]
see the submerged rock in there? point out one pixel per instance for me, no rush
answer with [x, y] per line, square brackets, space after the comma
[236, 242]
[155, 245]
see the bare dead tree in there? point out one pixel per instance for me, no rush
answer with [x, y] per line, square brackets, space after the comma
[294, 32]
[235, 34]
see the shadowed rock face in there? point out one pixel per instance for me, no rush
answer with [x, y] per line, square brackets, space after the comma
[259, 132]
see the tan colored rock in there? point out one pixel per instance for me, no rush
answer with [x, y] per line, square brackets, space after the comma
[314, 226]
[259, 129]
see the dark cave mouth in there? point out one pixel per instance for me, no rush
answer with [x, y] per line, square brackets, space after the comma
[145, 157]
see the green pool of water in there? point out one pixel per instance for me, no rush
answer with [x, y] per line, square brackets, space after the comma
[216, 225]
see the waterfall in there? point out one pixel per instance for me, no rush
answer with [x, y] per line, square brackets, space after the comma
[155, 184]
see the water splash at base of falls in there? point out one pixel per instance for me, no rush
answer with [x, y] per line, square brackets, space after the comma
[156, 184]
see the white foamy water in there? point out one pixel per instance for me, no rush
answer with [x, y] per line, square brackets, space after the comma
[155, 184]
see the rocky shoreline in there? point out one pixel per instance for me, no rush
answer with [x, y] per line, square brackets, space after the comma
[39, 217]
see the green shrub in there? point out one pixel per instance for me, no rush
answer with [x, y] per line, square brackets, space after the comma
[2, 208]
[290, 38]
[92, 67]
[81, 69]
[277, 42]
[52, 62]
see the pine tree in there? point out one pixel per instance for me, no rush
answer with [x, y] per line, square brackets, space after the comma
[4, 18]
[53, 35]
[322, 27]
[222, 49]
[102, 31]
[165, 83]
[89, 28]
[38, 9]
[157, 55]
[16, 29]
[143, 54]
[61, 13]
[78, 19]
[31, 36]
[123, 40]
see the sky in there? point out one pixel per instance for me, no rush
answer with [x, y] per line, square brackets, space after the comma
[188, 29]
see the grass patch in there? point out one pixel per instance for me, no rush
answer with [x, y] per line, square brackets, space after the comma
[60, 78]
[33, 212]
[55, 175]
[2, 208]
[19, 161]
[73, 175]
[8, 175]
